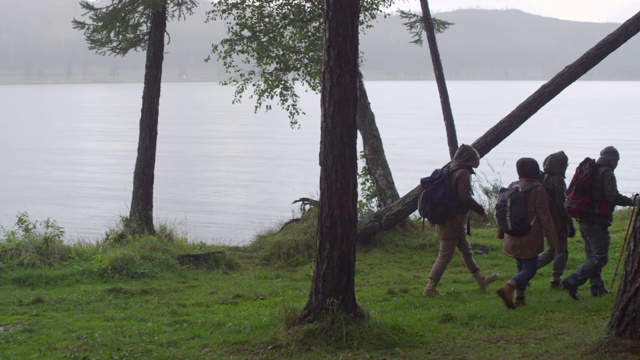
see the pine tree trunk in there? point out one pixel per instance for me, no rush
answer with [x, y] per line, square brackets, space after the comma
[389, 217]
[449, 124]
[141, 212]
[625, 317]
[333, 284]
[374, 155]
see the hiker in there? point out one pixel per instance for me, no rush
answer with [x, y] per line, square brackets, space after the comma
[525, 248]
[594, 228]
[453, 233]
[555, 167]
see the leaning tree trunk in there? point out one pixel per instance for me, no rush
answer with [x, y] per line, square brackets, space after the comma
[374, 155]
[449, 124]
[625, 318]
[390, 216]
[141, 212]
[333, 283]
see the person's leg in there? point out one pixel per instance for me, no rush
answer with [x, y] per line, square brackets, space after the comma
[600, 253]
[467, 257]
[445, 254]
[527, 269]
[559, 262]
[546, 257]
[596, 245]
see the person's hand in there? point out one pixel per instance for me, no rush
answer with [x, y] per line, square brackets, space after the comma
[636, 200]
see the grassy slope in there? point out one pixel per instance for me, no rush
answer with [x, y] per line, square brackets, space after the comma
[69, 312]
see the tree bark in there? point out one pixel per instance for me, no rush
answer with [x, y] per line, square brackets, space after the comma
[374, 155]
[449, 124]
[141, 212]
[333, 283]
[389, 217]
[625, 317]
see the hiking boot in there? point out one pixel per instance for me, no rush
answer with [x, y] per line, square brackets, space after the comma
[519, 301]
[597, 292]
[430, 289]
[555, 284]
[483, 280]
[506, 293]
[572, 288]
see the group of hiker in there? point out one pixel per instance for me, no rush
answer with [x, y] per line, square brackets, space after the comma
[544, 198]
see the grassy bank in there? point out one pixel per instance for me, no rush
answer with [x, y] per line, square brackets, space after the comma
[128, 298]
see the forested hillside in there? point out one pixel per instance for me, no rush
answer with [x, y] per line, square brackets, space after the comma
[39, 46]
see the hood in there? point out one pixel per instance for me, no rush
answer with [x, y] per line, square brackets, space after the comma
[556, 163]
[466, 155]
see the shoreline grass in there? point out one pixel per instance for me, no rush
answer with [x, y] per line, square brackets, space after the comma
[133, 301]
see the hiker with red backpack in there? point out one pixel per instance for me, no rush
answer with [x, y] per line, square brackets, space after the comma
[595, 221]
[527, 242]
[555, 167]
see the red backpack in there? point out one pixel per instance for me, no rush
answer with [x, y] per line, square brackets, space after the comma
[579, 202]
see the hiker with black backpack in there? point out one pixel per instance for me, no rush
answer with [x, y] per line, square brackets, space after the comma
[555, 168]
[594, 222]
[452, 232]
[524, 240]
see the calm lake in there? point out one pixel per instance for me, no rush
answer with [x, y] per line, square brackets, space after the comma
[224, 173]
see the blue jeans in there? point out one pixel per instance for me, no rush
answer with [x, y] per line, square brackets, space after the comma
[526, 271]
[596, 246]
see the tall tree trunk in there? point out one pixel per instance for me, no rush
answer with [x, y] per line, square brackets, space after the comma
[374, 155]
[333, 283]
[141, 212]
[390, 216]
[449, 124]
[625, 317]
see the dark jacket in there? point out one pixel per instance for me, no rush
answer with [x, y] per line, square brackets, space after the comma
[555, 167]
[605, 189]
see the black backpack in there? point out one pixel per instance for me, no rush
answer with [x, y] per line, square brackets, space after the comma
[436, 196]
[511, 210]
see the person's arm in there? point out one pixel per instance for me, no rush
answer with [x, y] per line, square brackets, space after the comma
[463, 189]
[610, 187]
[544, 216]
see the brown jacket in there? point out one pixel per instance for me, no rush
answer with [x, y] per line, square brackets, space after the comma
[532, 244]
[465, 159]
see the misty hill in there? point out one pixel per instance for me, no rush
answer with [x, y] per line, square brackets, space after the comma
[39, 46]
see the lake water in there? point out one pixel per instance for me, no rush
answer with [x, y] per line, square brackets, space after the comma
[224, 173]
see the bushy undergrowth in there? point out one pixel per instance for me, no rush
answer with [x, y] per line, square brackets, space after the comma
[293, 244]
[33, 243]
[37, 244]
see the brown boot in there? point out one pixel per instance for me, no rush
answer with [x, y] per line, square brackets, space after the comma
[484, 280]
[430, 289]
[506, 293]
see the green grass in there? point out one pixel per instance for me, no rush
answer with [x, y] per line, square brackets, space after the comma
[132, 300]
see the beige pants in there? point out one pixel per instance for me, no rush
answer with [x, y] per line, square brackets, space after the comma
[450, 239]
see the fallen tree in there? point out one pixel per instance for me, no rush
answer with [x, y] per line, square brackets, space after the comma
[390, 216]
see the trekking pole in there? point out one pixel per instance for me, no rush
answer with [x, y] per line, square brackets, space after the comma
[624, 243]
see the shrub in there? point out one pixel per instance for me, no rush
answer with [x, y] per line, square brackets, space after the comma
[33, 243]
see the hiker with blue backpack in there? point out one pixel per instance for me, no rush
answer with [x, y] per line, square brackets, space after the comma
[555, 167]
[452, 231]
[524, 219]
[594, 212]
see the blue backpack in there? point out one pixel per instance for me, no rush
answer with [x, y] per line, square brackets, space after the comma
[435, 198]
[511, 210]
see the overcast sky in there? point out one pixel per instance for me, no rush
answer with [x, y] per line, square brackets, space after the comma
[577, 10]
